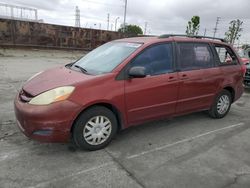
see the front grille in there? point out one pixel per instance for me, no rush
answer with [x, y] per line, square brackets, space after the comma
[25, 96]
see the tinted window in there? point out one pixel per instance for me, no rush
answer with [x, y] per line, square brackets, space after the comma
[225, 55]
[195, 56]
[157, 59]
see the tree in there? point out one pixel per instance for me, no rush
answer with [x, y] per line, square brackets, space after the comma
[131, 30]
[234, 30]
[193, 26]
[245, 46]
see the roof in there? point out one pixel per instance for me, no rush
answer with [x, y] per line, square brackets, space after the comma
[144, 40]
[181, 38]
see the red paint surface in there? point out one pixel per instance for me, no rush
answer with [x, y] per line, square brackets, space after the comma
[137, 100]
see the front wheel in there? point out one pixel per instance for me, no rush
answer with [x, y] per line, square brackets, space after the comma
[222, 105]
[95, 128]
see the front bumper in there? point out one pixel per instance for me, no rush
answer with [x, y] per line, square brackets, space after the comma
[46, 123]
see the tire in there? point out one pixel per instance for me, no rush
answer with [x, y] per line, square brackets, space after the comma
[94, 129]
[217, 110]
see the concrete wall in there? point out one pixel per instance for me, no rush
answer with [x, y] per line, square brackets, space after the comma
[23, 33]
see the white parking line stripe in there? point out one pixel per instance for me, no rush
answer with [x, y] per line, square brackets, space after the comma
[183, 141]
[11, 154]
[46, 183]
[4, 156]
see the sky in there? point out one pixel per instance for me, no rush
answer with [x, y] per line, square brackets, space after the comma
[162, 16]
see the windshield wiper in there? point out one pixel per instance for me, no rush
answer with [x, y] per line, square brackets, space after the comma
[69, 64]
[81, 69]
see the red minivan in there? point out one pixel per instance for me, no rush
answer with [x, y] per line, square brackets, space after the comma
[128, 82]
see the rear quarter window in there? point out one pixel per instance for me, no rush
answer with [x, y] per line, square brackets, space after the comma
[226, 56]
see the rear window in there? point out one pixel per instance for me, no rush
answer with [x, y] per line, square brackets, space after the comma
[194, 56]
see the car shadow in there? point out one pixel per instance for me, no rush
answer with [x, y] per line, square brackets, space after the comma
[123, 137]
[158, 126]
[247, 90]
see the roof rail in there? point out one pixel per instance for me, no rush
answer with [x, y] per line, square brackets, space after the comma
[191, 36]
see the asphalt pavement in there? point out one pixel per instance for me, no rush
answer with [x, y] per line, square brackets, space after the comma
[189, 151]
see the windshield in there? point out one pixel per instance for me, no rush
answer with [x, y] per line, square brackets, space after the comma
[106, 57]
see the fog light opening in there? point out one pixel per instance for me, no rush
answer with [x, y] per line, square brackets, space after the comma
[43, 132]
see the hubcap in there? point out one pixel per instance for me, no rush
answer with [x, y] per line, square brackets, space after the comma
[97, 130]
[223, 104]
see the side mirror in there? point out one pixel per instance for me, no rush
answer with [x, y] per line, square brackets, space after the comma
[137, 72]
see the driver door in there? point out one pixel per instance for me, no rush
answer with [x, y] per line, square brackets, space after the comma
[154, 95]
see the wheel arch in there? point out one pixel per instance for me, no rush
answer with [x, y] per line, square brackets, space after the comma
[113, 108]
[231, 90]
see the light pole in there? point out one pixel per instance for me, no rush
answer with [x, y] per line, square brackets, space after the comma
[116, 22]
[145, 29]
[108, 22]
[125, 14]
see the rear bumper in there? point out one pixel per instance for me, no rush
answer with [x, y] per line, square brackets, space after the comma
[247, 78]
[48, 123]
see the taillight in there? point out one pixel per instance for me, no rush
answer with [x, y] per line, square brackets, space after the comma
[243, 69]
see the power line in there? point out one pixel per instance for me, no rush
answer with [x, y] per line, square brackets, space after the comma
[100, 3]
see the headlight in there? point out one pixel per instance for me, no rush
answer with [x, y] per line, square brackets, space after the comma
[54, 95]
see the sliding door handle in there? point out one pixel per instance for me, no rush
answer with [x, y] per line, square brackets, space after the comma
[184, 77]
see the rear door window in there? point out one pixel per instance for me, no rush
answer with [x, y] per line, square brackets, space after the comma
[225, 55]
[157, 59]
[193, 56]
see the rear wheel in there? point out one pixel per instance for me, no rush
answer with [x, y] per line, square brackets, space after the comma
[222, 105]
[95, 128]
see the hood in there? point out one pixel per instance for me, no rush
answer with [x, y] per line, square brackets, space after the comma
[54, 78]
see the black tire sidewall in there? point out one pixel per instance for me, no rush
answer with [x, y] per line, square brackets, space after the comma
[215, 112]
[81, 121]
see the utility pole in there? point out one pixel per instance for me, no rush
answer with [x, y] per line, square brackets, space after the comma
[36, 15]
[108, 22]
[216, 26]
[125, 15]
[77, 17]
[11, 13]
[205, 32]
[116, 22]
[145, 29]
